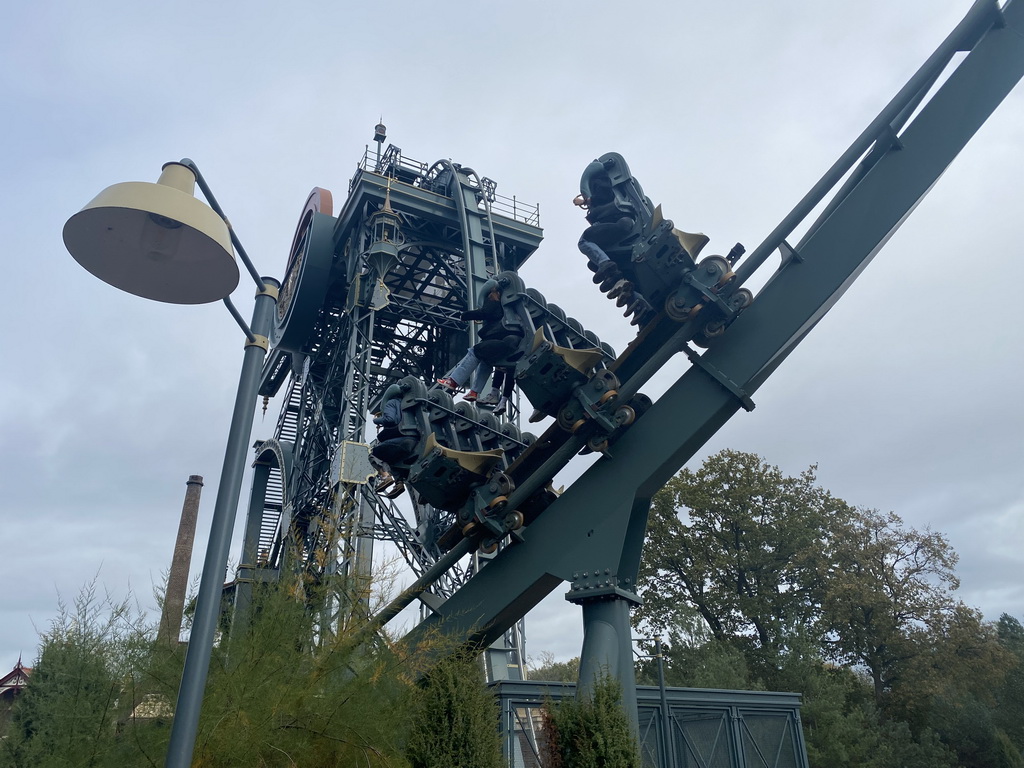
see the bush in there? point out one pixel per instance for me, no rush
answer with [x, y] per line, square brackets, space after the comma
[455, 718]
[68, 714]
[590, 731]
[274, 697]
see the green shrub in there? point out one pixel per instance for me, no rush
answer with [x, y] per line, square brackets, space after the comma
[590, 731]
[455, 718]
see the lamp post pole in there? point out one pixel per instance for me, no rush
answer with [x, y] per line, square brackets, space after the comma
[208, 602]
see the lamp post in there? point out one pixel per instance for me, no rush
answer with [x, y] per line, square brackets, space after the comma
[159, 242]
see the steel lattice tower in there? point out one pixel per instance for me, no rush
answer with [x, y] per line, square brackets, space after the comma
[370, 295]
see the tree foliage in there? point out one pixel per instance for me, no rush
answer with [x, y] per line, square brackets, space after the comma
[590, 731]
[277, 698]
[89, 661]
[745, 555]
[455, 718]
[549, 670]
[282, 693]
[884, 584]
[760, 580]
[1010, 695]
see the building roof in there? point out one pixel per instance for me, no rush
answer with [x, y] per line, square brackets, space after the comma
[16, 679]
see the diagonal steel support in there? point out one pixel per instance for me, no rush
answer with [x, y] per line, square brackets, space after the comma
[599, 519]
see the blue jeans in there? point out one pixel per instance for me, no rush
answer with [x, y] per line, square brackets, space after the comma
[595, 253]
[607, 235]
[471, 367]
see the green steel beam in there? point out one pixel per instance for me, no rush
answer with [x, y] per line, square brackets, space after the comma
[592, 535]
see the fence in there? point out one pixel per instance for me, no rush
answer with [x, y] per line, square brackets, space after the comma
[696, 728]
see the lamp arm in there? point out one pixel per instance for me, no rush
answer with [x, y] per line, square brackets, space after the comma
[208, 194]
[240, 320]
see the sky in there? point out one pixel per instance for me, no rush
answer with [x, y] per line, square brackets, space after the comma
[906, 396]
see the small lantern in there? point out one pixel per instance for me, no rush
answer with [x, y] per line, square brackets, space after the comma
[387, 237]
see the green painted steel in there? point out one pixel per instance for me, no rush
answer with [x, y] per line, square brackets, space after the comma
[700, 727]
[597, 525]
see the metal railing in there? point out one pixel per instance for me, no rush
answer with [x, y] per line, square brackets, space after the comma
[393, 164]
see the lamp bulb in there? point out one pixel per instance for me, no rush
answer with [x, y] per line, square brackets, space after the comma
[161, 237]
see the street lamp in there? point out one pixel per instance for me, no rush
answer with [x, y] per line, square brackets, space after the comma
[159, 242]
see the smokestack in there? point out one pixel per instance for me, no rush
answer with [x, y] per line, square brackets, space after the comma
[177, 580]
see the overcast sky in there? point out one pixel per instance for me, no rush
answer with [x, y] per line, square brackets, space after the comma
[907, 396]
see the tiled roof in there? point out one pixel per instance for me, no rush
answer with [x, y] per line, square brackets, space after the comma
[16, 679]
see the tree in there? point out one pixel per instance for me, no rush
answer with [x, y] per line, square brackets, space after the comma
[772, 582]
[711, 664]
[552, 671]
[883, 585]
[1010, 695]
[952, 686]
[67, 714]
[455, 718]
[740, 543]
[843, 728]
[277, 694]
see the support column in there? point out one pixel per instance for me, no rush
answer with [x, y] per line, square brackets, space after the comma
[245, 574]
[607, 637]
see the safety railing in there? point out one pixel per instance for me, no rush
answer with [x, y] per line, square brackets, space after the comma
[393, 164]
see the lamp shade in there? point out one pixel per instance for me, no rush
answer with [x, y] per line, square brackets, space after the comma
[155, 240]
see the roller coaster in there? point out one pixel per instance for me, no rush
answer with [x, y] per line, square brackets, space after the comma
[370, 311]
[467, 461]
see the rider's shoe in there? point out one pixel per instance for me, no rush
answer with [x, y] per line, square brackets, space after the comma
[397, 490]
[491, 398]
[620, 289]
[606, 270]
